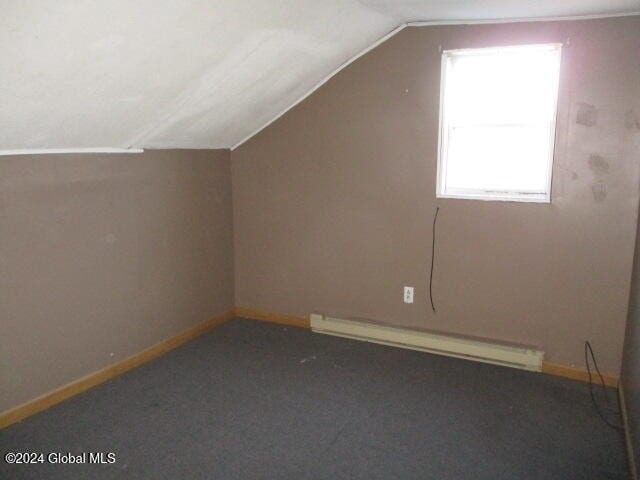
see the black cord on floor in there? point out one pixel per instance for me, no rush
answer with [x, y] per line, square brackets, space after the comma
[589, 351]
[433, 258]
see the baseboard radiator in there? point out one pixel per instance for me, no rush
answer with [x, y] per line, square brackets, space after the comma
[479, 350]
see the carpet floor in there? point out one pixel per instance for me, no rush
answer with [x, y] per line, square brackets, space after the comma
[251, 400]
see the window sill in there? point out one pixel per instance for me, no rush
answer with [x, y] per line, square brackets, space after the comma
[498, 197]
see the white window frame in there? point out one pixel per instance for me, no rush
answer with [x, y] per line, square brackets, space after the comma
[481, 194]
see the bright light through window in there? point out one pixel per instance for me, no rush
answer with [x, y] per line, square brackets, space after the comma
[497, 124]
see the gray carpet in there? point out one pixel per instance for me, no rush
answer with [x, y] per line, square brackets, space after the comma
[252, 400]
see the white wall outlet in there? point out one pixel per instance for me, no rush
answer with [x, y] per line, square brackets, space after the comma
[408, 294]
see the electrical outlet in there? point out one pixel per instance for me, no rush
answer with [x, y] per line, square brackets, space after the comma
[408, 294]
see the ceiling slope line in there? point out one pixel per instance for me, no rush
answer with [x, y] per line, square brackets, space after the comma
[53, 151]
[419, 23]
[322, 82]
[188, 98]
[493, 21]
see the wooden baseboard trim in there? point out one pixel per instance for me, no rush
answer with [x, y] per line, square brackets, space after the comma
[627, 433]
[282, 319]
[78, 386]
[577, 374]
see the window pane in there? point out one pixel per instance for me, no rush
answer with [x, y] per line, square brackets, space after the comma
[507, 87]
[507, 158]
[498, 121]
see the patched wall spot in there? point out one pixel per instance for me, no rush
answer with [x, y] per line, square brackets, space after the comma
[574, 176]
[598, 164]
[632, 120]
[599, 191]
[587, 115]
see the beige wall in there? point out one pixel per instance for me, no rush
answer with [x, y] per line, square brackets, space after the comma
[102, 256]
[630, 377]
[333, 203]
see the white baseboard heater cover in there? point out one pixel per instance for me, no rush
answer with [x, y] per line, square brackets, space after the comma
[480, 350]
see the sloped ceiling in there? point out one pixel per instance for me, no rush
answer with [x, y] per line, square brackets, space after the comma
[195, 73]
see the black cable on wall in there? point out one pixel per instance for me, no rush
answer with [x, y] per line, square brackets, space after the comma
[433, 258]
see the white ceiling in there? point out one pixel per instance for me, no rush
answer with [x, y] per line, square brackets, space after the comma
[195, 73]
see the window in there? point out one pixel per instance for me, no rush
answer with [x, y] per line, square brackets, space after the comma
[497, 122]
